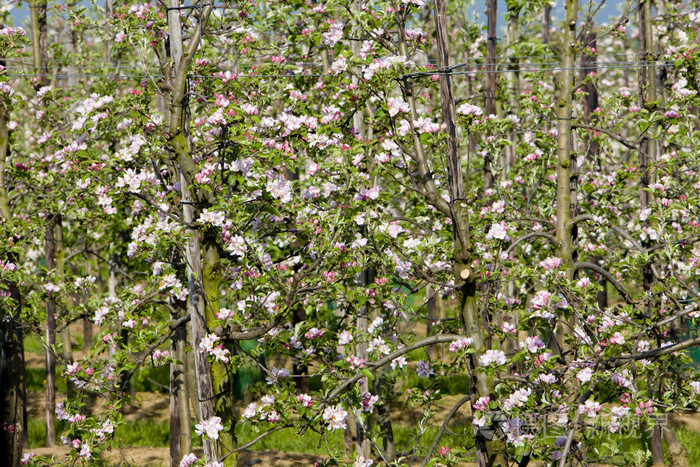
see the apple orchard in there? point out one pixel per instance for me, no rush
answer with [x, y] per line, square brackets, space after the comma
[364, 203]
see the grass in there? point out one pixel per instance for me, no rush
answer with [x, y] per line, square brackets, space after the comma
[628, 449]
[149, 379]
[33, 344]
[288, 441]
[36, 380]
[459, 435]
[455, 385]
[146, 433]
[36, 432]
[691, 441]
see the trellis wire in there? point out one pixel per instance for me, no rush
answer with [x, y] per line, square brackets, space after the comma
[599, 66]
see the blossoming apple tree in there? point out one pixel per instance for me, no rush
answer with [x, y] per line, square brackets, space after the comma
[292, 172]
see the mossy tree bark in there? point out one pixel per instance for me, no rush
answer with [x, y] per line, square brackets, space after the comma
[201, 251]
[566, 182]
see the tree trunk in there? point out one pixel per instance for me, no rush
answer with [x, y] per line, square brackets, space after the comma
[300, 370]
[513, 36]
[363, 445]
[431, 308]
[202, 369]
[112, 283]
[589, 65]
[12, 385]
[197, 270]
[657, 446]
[50, 249]
[4, 151]
[677, 453]
[180, 418]
[647, 154]
[109, 11]
[565, 161]
[647, 94]
[491, 43]
[385, 389]
[66, 344]
[212, 279]
[13, 390]
[39, 39]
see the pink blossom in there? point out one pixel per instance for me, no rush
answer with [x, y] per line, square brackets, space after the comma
[275, 374]
[469, 109]
[334, 34]
[498, 231]
[345, 338]
[335, 416]
[398, 362]
[369, 401]
[220, 353]
[617, 338]
[207, 343]
[517, 399]
[355, 362]
[482, 403]
[590, 408]
[585, 375]
[493, 357]
[547, 378]
[550, 263]
[362, 462]
[540, 301]
[461, 344]
[305, 400]
[250, 411]
[224, 313]
[72, 368]
[188, 459]
[695, 387]
[211, 427]
[533, 344]
[396, 105]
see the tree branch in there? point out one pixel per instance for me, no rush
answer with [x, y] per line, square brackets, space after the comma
[440, 338]
[255, 440]
[449, 416]
[626, 144]
[551, 238]
[614, 362]
[594, 267]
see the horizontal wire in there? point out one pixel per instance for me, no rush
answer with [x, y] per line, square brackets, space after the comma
[430, 60]
[318, 75]
[314, 64]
